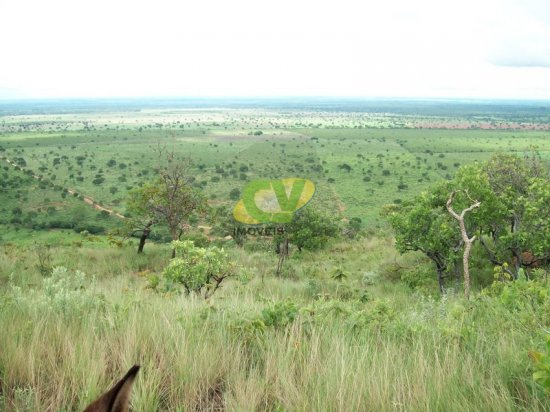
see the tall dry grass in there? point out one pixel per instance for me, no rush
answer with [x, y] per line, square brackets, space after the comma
[266, 343]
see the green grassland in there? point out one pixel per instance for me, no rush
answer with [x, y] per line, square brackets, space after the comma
[31, 206]
[352, 327]
[357, 170]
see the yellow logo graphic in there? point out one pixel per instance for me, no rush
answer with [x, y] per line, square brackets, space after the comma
[273, 200]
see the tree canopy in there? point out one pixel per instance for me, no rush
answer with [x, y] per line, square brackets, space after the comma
[510, 226]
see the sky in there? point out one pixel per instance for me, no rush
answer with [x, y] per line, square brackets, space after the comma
[216, 48]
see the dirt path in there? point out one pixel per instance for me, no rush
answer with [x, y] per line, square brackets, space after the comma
[341, 205]
[87, 199]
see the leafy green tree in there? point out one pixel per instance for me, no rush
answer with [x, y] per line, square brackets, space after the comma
[98, 180]
[511, 221]
[353, 228]
[310, 229]
[517, 227]
[537, 222]
[422, 224]
[161, 202]
[235, 194]
[141, 218]
[170, 199]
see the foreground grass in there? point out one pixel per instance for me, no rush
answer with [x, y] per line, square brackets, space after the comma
[263, 343]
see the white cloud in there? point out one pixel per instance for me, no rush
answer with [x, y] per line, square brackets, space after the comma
[245, 47]
[522, 37]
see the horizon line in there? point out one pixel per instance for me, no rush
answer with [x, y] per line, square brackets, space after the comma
[276, 97]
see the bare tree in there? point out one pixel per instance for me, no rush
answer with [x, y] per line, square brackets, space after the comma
[468, 241]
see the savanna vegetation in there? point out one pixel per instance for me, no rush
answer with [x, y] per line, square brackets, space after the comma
[416, 279]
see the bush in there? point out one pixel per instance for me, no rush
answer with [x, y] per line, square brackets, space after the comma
[68, 292]
[420, 278]
[542, 366]
[93, 229]
[280, 314]
[235, 194]
[520, 294]
[198, 270]
[310, 229]
[198, 239]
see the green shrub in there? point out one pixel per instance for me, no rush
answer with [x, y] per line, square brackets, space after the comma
[520, 294]
[198, 239]
[420, 278]
[198, 270]
[279, 314]
[541, 361]
[68, 292]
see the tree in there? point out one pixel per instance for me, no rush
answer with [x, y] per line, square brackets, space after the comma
[345, 166]
[235, 194]
[517, 184]
[468, 241]
[310, 229]
[511, 220]
[422, 224]
[537, 220]
[353, 228]
[169, 199]
[141, 218]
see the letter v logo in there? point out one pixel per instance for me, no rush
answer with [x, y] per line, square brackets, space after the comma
[273, 201]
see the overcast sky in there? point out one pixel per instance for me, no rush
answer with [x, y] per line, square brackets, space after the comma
[383, 48]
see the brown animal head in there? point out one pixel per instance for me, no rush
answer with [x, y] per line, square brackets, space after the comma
[118, 397]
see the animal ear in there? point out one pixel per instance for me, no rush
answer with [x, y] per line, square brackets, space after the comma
[118, 397]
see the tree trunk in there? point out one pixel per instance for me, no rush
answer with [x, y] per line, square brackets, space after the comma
[283, 254]
[493, 259]
[440, 277]
[175, 236]
[467, 240]
[440, 267]
[144, 235]
[142, 241]
[466, 265]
